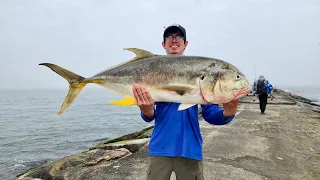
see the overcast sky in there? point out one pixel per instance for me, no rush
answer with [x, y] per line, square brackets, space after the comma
[278, 38]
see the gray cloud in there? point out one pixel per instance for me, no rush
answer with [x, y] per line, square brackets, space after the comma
[279, 39]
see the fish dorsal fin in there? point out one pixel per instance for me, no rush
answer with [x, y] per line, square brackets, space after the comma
[140, 53]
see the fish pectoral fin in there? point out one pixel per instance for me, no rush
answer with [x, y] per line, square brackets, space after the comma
[180, 89]
[185, 106]
[127, 101]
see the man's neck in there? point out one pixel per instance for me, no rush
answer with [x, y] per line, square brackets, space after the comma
[174, 54]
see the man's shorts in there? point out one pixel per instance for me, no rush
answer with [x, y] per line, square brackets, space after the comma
[161, 167]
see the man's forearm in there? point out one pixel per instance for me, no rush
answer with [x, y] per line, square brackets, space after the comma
[149, 114]
[214, 115]
[227, 114]
[148, 117]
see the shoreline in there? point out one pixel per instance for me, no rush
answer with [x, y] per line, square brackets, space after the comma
[113, 150]
[304, 101]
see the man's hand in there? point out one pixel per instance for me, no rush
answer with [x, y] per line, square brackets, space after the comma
[230, 108]
[144, 100]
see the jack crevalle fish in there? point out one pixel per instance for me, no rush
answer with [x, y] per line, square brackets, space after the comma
[188, 80]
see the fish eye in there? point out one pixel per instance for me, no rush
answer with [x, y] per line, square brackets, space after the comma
[202, 77]
[238, 77]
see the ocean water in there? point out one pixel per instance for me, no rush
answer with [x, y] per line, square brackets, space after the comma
[309, 92]
[32, 134]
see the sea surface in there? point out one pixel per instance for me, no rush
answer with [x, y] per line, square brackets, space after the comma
[309, 92]
[31, 134]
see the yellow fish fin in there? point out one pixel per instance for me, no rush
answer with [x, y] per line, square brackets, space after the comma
[127, 101]
[76, 84]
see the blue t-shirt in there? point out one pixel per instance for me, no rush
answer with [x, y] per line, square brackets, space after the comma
[177, 133]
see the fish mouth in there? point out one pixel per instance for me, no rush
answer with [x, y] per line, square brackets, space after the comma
[242, 92]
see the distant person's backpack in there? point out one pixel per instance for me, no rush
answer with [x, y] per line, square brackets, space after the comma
[260, 86]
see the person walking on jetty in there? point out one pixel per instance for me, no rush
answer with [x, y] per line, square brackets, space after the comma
[263, 89]
[176, 141]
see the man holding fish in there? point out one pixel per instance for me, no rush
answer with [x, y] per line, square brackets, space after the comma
[176, 142]
[168, 89]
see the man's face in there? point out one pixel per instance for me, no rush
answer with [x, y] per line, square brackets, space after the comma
[174, 43]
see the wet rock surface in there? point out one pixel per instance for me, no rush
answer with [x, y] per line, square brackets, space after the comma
[132, 145]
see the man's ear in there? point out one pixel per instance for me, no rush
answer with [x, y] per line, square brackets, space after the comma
[163, 44]
[186, 43]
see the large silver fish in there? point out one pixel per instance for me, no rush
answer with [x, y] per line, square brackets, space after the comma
[188, 80]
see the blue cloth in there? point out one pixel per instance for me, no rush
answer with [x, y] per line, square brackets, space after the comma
[177, 133]
[268, 87]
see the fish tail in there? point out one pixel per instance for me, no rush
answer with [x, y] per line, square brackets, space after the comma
[76, 84]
